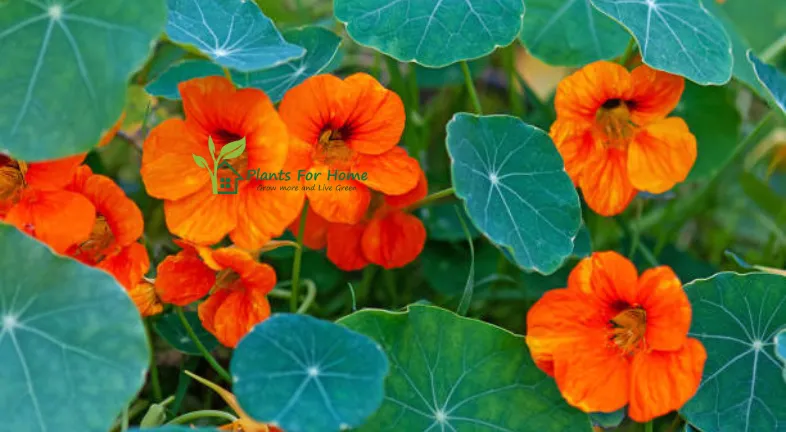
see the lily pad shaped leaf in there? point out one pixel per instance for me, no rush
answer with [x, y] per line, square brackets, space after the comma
[771, 79]
[321, 47]
[166, 84]
[171, 330]
[72, 346]
[233, 33]
[571, 33]
[676, 36]
[305, 374]
[515, 188]
[433, 33]
[65, 69]
[454, 374]
[736, 317]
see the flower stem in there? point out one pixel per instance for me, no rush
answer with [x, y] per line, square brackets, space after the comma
[228, 75]
[187, 418]
[297, 260]
[436, 196]
[155, 383]
[648, 426]
[201, 347]
[630, 50]
[473, 94]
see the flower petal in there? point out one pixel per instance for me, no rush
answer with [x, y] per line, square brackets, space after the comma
[315, 235]
[258, 277]
[606, 276]
[339, 206]
[183, 278]
[42, 214]
[580, 95]
[663, 381]
[661, 294]
[605, 184]
[654, 95]
[344, 247]
[373, 114]
[238, 314]
[202, 218]
[128, 266]
[405, 200]
[661, 155]
[393, 240]
[265, 214]
[574, 141]
[393, 172]
[53, 174]
[309, 108]
[207, 309]
[144, 296]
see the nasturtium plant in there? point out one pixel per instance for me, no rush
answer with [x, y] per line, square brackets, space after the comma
[320, 377]
[571, 32]
[433, 33]
[677, 36]
[515, 188]
[773, 80]
[736, 317]
[458, 373]
[72, 345]
[65, 69]
[234, 34]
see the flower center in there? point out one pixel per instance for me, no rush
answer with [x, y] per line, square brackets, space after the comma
[94, 249]
[12, 179]
[613, 127]
[628, 328]
[332, 150]
[226, 279]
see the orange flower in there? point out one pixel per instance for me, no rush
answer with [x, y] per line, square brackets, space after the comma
[32, 199]
[614, 338]
[239, 299]
[183, 278]
[214, 108]
[613, 133]
[387, 236]
[350, 126]
[144, 296]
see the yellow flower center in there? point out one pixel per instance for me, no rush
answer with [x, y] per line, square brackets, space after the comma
[613, 127]
[628, 329]
[12, 178]
[332, 150]
[95, 248]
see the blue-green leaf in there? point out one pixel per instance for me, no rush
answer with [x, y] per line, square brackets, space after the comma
[173, 428]
[233, 33]
[304, 374]
[736, 317]
[166, 84]
[72, 346]
[65, 68]
[459, 374]
[676, 36]
[771, 79]
[170, 328]
[515, 188]
[434, 33]
[571, 33]
[780, 347]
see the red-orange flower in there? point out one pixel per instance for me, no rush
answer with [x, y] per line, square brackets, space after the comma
[239, 299]
[387, 235]
[144, 296]
[183, 278]
[613, 133]
[215, 108]
[350, 126]
[614, 338]
[32, 198]
[112, 244]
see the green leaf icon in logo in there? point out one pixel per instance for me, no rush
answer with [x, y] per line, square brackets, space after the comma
[200, 161]
[232, 150]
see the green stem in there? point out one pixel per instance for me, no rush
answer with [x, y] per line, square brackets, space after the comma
[514, 98]
[155, 382]
[365, 284]
[390, 283]
[436, 196]
[124, 422]
[636, 234]
[187, 418]
[298, 259]
[772, 51]
[630, 50]
[473, 93]
[648, 426]
[201, 347]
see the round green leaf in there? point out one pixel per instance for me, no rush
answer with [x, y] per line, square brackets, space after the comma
[676, 36]
[736, 318]
[458, 374]
[713, 118]
[65, 70]
[771, 79]
[72, 346]
[571, 33]
[166, 84]
[434, 33]
[780, 347]
[304, 374]
[172, 428]
[515, 188]
[321, 47]
[232, 33]
[170, 328]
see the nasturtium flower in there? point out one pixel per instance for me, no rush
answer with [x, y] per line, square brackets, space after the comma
[238, 300]
[614, 338]
[118, 225]
[183, 278]
[144, 296]
[215, 108]
[387, 235]
[351, 126]
[614, 135]
[32, 198]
